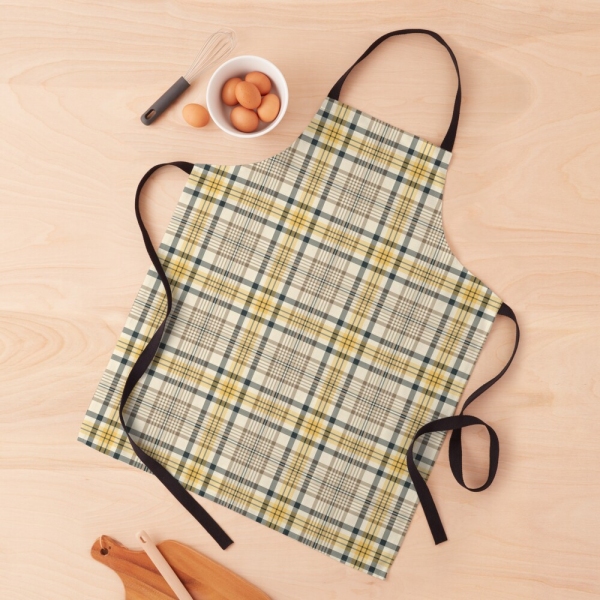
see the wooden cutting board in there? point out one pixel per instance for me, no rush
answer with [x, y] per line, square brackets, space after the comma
[203, 578]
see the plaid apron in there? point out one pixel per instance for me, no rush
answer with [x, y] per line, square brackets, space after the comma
[299, 348]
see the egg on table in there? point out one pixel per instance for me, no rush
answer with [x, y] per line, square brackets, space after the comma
[195, 115]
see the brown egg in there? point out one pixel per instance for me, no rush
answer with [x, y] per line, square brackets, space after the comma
[260, 80]
[247, 94]
[195, 115]
[244, 119]
[228, 91]
[269, 108]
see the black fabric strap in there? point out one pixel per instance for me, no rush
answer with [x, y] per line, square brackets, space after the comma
[140, 366]
[456, 424]
[448, 142]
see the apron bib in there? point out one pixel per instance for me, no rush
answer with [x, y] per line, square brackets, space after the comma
[298, 351]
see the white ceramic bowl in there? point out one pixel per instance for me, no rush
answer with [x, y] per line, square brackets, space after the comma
[239, 67]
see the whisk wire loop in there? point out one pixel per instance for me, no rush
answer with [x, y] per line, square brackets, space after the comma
[215, 49]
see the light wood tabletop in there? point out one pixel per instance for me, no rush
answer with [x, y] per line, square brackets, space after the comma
[521, 210]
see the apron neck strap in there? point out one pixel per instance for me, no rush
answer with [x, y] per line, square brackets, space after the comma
[448, 142]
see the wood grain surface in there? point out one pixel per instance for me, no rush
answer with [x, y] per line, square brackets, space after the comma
[521, 210]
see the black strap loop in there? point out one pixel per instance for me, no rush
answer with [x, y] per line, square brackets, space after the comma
[140, 366]
[456, 424]
[448, 142]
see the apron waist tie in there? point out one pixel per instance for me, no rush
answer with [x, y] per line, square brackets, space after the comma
[139, 367]
[456, 424]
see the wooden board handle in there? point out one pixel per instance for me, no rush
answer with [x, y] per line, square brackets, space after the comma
[203, 578]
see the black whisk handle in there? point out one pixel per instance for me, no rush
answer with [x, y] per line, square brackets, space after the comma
[159, 107]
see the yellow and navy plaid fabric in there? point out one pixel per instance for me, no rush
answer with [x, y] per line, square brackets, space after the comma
[319, 320]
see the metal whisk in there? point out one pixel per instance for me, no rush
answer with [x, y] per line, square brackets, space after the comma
[216, 48]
